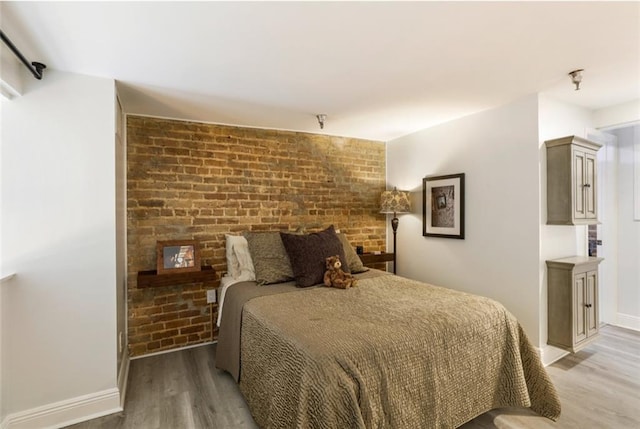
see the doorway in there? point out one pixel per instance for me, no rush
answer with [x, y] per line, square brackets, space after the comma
[618, 234]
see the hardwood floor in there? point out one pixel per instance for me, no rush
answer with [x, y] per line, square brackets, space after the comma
[599, 388]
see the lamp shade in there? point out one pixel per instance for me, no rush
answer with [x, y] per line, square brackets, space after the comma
[395, 202]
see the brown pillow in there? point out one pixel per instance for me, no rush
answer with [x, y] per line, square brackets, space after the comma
[269, 257]
[308, 253]
[352, 259]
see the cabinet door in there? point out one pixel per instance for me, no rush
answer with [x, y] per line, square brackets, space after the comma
[579, 307]
[592, 303]
[579, 165]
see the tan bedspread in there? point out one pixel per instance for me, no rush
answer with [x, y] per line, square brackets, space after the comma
[390, 353]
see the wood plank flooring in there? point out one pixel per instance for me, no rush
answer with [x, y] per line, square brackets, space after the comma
[599, 388]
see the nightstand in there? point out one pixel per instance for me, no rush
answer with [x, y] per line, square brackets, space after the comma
[371, 258]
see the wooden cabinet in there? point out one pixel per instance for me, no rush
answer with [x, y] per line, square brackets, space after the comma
[572, 301]
[572, 181]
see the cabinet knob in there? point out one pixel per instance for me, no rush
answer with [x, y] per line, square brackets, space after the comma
[587, 185]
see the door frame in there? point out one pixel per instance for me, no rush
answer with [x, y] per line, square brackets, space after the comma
[607, 159]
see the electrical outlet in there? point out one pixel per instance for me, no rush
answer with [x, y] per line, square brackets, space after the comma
[211, 296]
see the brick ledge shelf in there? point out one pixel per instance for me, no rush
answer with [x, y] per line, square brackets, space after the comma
[151, 278]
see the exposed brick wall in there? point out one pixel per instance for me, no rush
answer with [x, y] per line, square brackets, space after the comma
[191, 180]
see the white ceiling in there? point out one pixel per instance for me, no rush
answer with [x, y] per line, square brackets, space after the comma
[379, 70]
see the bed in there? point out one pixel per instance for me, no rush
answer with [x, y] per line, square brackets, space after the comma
[389, 353]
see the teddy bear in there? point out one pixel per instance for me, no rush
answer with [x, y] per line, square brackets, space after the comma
[335, 277]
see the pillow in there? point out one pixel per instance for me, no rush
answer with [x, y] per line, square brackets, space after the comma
[239, 262]
[352, 258]
[233, 266]
[308, 253]
[269, 257]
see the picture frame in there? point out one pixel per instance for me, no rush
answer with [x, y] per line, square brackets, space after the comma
[178, 256]
[443, 206]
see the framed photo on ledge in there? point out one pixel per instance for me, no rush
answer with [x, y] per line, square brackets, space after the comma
[178, 256]
[443, 206]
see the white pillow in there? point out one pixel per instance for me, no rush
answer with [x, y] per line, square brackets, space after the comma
[239, 262]
[233, 266]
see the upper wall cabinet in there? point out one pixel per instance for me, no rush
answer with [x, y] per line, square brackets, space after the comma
[572, 181]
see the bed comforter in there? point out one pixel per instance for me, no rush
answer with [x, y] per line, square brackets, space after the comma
[390, 353]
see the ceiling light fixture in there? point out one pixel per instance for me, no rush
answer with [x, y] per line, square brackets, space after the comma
[576, 77]
[321, 118]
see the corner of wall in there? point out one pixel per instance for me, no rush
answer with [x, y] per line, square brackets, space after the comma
[123, 376]
[550, 354]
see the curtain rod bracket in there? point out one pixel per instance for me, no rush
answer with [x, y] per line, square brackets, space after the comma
[35, 67]
[39, 68]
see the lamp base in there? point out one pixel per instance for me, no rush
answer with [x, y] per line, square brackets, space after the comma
[394, 226]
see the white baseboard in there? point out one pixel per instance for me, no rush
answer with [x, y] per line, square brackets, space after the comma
[550, 354]
[628, 321]
[67, 412]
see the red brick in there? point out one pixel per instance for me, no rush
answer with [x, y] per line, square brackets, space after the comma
[200, 319]
[151, 328]
[177, 323]
[189, 313]
[192, 329]
[164, 334]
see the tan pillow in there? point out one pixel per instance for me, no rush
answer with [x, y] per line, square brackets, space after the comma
[269, 256]
[352, 258]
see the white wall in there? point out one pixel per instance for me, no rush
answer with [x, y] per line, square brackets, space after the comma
[628, 302]
[10, 73]
[498, 150]
[625, 113]
[58, 234]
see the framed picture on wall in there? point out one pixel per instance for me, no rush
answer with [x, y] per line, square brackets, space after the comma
[178, 256]
[443, 206]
